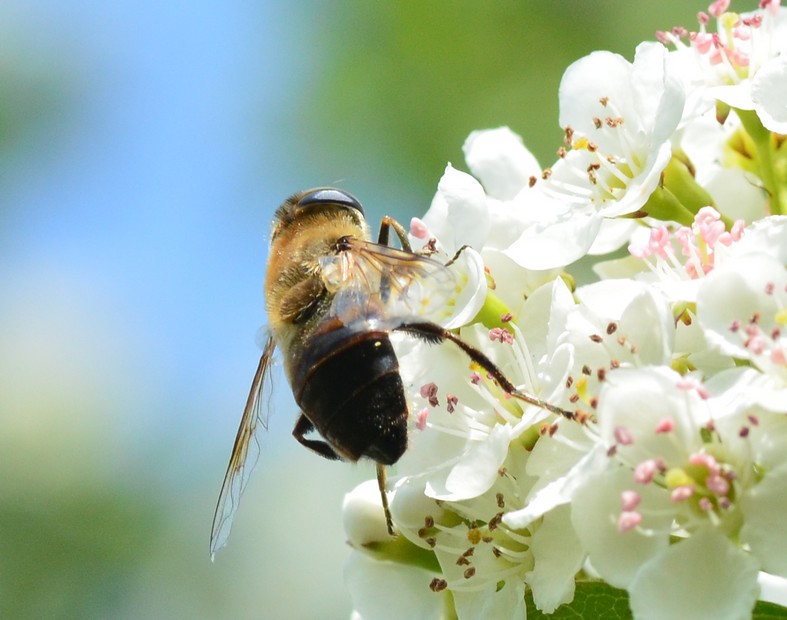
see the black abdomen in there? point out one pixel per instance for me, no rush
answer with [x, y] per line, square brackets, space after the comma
[350, 388]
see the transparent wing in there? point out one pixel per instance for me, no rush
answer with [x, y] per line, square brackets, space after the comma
[371, 280]
[244, 455]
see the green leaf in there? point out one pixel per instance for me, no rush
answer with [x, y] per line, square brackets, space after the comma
[768, 611]
[592, 599]
[595, 599]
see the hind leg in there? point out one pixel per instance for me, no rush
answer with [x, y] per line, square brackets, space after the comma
[304, 425]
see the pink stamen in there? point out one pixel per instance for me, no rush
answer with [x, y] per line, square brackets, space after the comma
[681, 493]
[703, 459]
[708, 225]
[742, 34]
[739, 58]
[717, 484]
[705, 504]
[665, 426]
[644, 472]
[773, 5]
[702, 42]
[501, 334]
[623, 436]
[420, 419]
[429, 391]
[718, 8]
[629, 500]
[418, 228]
[628, 520]
[690, 383]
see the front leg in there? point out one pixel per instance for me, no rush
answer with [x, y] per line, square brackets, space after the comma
[388, 223]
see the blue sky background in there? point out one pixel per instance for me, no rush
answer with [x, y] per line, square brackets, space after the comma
[136, 192]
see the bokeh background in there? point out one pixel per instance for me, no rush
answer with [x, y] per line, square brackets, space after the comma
[143, 149]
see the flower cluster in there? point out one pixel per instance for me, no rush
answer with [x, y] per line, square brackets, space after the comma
[669, 478]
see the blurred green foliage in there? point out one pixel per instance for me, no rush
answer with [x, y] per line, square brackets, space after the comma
[404, 83]
[73, 552]
[30, 96]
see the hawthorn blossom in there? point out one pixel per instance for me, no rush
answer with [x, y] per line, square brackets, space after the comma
[650, 451]
[618, 118]
[742, 63]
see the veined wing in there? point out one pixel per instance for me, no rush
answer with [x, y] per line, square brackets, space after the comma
[370, 280]
[244, 455]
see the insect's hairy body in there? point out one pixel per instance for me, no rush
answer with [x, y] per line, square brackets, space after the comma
[295, 296]
[344, 373]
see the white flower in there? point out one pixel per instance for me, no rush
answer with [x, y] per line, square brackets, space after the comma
[666, 474]
[482, 561]
[622, 116]
[742, 307]
[689, 467]
[742, 64]
[383, 589]
[713, 148]
[769, 93]
[557, 557]
[618, 119]
[757, 428]
[458, 215]
[718, 581]
[500, 160]
[463, 427]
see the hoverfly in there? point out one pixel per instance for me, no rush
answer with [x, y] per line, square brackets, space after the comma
[333, 297]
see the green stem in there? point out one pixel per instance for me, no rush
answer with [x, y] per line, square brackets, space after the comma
[762, 142]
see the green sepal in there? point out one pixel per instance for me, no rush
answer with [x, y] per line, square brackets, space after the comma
[402, 551]
[491, 312]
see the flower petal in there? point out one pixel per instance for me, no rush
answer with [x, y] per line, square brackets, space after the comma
[458, 214]
[558, 557]
[556, 237]
[477, 470]
[769, 93]
[717, 580]
[499, 159]
[382, 590]
[764, 508]
[617, 556]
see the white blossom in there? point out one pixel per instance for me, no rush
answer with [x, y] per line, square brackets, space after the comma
[742, 63]
[666, 473]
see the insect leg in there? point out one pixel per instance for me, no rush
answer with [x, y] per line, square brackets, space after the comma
[303, 426]
[383, 239]
[388, 223]
[433, 333]
[384, 497]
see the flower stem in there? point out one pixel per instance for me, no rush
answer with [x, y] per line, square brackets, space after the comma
[762, 139]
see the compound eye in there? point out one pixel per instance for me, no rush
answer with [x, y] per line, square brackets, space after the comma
[328, 196]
